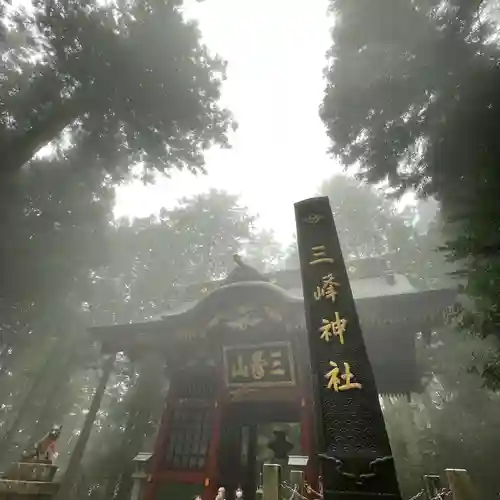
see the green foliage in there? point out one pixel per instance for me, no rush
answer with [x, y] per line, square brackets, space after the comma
[370, 225]
[404, 90]
[412, 97]
[54, 220]
[450, 424]
[132, 271]
[367, 221]
[78, 75]
[264, 252]
[129, 81]
[155, 258]
[106, 85]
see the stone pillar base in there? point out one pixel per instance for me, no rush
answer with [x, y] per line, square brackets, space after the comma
[26, 490]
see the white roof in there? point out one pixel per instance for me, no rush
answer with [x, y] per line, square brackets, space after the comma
[361, 289]
[373, 287]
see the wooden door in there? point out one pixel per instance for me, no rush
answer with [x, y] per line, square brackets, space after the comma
[241, 430]
[231, 465]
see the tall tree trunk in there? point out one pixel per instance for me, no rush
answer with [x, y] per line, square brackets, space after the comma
[22, 357]
[114, 472]
[72, 471]
[50, 410]
[146, 395]
[28, 405]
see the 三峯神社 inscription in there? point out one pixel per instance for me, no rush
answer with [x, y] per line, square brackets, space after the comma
[352, 440]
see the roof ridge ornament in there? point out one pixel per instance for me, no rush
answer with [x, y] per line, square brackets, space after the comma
[244, 272]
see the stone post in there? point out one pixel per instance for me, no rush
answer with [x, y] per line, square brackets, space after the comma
[271, 482]
[460, 484]
[140, 479]
[297, 479]
[432, 485]
[141, 475]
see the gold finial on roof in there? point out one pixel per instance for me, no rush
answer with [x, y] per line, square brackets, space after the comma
[244, 272]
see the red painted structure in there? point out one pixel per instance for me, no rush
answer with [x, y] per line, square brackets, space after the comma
[238, 368]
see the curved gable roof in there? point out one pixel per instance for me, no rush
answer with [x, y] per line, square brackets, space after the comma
[369, 288]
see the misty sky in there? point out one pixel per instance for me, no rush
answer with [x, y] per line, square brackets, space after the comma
[276, 55]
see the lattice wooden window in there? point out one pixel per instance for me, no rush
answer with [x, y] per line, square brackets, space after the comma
[189, 439]
[199, 385]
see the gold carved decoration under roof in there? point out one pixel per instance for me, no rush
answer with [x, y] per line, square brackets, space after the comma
[273, 315]
[244, 322]
[214, 322]
[244, 317]
[231, 316]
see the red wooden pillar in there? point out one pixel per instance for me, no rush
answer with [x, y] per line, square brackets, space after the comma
[158, 458]
[307, 423]
[307, 439]
[212, 468]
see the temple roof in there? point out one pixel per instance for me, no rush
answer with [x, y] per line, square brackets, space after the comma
[290, 279]
[369, 278]
[377, 302]
[390, 309]
[364, 288]
[373, 287]
[380, 300]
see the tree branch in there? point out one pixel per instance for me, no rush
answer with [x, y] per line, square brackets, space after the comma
[22, 148]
